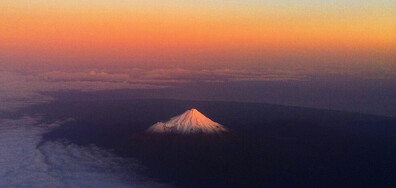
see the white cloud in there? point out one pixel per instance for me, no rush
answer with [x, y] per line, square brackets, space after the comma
[53, 164]
[24, 87]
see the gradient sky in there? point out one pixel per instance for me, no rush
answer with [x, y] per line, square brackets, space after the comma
[188, 33]
[325, 54]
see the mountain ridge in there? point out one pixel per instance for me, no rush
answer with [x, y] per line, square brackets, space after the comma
[190, 122]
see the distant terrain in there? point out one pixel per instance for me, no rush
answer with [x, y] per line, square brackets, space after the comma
[270, 145]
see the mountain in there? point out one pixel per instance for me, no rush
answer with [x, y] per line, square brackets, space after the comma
[267, 145]
[190, 122]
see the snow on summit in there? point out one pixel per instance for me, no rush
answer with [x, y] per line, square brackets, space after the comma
[190, 122]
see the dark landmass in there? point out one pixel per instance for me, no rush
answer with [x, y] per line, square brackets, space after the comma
[270, 145]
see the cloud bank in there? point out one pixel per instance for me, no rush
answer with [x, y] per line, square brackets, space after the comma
[25, 163]
[21, 87]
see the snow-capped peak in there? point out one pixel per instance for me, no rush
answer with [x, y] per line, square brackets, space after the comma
[190, 122]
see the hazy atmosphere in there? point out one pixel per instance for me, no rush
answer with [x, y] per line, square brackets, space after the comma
[80, 81]
[339, 54]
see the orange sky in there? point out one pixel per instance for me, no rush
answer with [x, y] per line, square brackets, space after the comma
[123, 32]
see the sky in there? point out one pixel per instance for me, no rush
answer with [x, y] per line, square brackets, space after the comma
[316, 53]
[198, 34]
[328, 54]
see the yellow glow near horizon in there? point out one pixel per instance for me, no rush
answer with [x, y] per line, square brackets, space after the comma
[128, 28]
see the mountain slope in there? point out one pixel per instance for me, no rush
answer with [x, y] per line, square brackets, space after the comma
[190, 122]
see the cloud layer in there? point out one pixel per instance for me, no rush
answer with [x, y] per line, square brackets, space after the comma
[25, 163]
[20, 87]
[24, 87]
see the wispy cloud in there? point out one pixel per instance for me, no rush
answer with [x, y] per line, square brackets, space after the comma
[168, 76]
[53, 164]
[24, 87]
